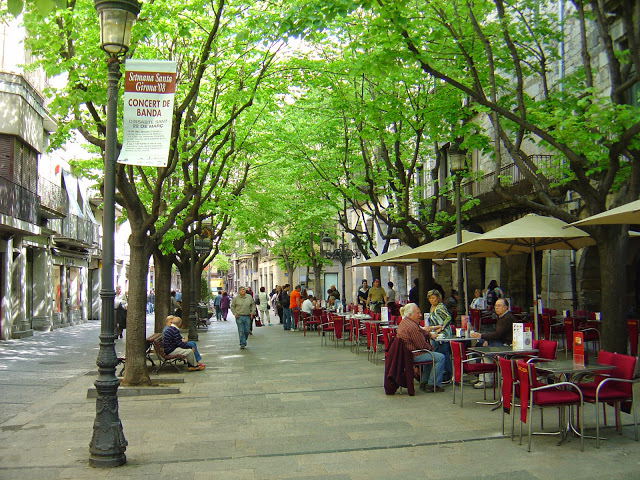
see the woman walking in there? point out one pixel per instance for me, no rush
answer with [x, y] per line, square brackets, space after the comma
[277, 305]
[225, 301]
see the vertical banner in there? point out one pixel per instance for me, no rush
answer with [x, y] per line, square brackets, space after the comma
[149, 87]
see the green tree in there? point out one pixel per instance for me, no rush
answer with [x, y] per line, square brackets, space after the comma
[219, 71]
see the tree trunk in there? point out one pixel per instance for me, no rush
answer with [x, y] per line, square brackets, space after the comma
[136, 372]
[317, 276]
[162, 265]
[185, 277]
[375, 273]
[424, 283]
[612, 249]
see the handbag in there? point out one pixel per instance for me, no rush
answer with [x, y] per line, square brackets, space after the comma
[268, 307]
[258, 322]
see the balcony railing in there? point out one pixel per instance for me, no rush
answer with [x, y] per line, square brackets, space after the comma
[54, 199]
[76, 229]
[18, 202]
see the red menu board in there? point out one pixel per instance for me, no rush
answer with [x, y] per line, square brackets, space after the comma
[578, 348]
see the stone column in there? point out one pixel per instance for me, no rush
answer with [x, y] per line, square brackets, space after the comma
[42, 290]
[7, 317]
[21, 323]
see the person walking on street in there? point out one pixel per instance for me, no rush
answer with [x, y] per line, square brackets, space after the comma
[277, 307]
[294, 304]
[263, 307]
[376, 297]
[285, 302]
[225, 301]
[391, 298]
[363, 293]
[242, 308]
[120, 307]
[216, 306]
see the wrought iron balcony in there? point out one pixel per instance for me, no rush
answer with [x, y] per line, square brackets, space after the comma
[75, 230]
[512, 179]
[53, 198]
[18, 202]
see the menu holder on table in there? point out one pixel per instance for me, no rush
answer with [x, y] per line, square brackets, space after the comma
[522, 337]
[579, 358]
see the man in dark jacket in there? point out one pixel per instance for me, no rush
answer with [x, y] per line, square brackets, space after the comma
[502, 335]
[285, 303]
[174, 344]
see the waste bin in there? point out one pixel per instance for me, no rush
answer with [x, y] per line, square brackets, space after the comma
[203, 312]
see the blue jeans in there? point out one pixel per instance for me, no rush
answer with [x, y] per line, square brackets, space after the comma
[195, 350]
[218, 313]
[444, 348]
[243, 322]
[288, 318]
[427, 378]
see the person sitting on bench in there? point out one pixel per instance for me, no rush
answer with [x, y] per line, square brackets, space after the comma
[174, 344]
[190, 344]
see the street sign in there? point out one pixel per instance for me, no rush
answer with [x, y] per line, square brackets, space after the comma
[202, 246]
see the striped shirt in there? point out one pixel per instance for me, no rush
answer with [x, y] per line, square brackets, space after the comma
[414, 337]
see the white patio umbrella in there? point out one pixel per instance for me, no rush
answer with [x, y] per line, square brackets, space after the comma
[629, 213]
[431, 249]
[527, 235]
[387, 259]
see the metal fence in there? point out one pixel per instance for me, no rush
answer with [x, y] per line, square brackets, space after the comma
[76, 228]
[18, 202]
[52, 196]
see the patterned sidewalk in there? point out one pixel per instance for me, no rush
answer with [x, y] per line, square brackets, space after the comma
[283, 408]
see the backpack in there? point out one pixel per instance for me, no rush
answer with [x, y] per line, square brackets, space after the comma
[492, 296]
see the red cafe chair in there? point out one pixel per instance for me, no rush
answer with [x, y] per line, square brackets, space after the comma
[312, 320]
[463, 364]
[509, 390]
[632, 330]
[613, 387]
[533, 393]
[326, 328]
[474, 318]
[387, 335]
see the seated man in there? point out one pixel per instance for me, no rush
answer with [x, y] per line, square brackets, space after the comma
[174, 344]
[307, 305]
[502, 335]
[190, 344]
[417, 338]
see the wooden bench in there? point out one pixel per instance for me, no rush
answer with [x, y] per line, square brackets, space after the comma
[155, 341]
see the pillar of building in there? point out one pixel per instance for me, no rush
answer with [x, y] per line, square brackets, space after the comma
[7, 317]
[21, 321]
[42, 289]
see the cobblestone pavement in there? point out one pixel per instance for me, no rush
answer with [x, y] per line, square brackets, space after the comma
[283, 408]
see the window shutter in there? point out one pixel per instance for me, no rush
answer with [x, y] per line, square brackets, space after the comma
[6, 157]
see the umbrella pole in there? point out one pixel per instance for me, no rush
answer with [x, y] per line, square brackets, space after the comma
[466, 285]
[535, 290]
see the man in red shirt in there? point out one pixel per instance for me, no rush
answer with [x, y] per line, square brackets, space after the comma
[294, 305]
[416, 337]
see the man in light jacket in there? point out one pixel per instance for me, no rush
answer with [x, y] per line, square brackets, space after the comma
[242, 307]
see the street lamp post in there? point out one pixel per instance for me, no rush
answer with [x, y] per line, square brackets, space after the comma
[108, 444]
[193, 317]
[343, 254]
[458, 166]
